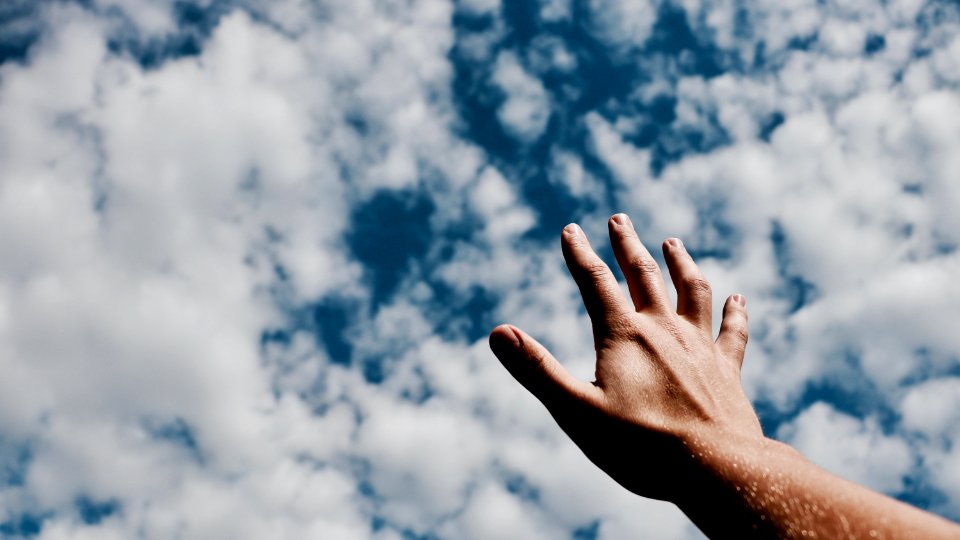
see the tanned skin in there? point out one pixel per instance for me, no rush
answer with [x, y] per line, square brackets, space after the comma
[667, 417]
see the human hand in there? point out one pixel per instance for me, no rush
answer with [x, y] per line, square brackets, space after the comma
[664, 388]
[667, 418]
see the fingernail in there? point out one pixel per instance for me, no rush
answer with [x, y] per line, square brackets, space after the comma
[504, 340]
[573, 230]
[622, 220]
[740, 299]
[675, 242]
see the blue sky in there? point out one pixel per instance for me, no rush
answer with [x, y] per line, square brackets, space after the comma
[252, 251]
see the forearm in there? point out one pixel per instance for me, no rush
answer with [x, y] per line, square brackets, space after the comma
[765, 489]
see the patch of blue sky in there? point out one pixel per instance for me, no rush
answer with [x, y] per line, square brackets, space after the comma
[773, 121]
[25, 525]
[392, 236]
[518, 485]
[875, 43]
[331, 319]
[194, 24]
[388, 234]
[20, 28]
[177, 432]
[15, 458]
[92, 511]
[929, 366]
[794, 287]
[918, 492]
[590, 531]
[408, 534]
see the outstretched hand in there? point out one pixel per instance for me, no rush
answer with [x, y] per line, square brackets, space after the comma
[664, 387]
[667, 418]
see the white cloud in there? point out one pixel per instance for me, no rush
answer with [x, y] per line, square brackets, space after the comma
[526, 111]
[931, 409]
[555, 10]
[495, 513]
[550, 53]
[423, 459]
[494, 199]
[568, 171]
[857, 450]
[480, 7]
[623, 25]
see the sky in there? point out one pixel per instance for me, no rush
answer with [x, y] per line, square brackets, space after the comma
[250, 251]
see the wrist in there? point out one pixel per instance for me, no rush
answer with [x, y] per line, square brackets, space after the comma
[727, 479]
[732, 456]
[718, 452]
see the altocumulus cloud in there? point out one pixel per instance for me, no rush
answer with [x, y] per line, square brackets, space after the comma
[250, 251]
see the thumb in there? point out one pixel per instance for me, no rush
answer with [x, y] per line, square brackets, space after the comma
[532, 365]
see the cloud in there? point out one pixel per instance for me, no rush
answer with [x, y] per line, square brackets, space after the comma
[624, 26]
[480, 7]
[252, 250]
[930, 411]
[857, 450]
[526, 110]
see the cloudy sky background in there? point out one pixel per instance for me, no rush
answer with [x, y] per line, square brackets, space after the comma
[250, 251]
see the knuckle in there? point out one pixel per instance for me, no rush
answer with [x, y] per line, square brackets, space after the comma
[615, 328]
[644, 265]
[742, 334]
[699, 287]
[620, 324]
[595, 269]
[737, 331]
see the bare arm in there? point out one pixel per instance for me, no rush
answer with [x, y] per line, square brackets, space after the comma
[770, 490]
[667, 417]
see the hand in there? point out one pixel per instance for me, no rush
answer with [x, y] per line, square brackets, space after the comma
[668, 419]
[663, 386]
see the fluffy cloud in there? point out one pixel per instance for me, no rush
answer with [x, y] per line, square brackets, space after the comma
[930, 412]
[251, 251]
[625, 26]
[857, 450]
[526, 110]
